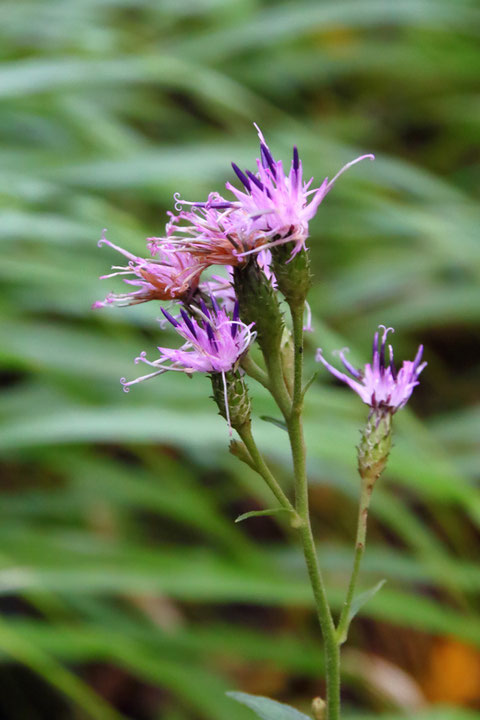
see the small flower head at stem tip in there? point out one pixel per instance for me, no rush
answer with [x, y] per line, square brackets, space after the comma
[379, 384]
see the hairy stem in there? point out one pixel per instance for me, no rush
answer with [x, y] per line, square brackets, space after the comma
[277, 385]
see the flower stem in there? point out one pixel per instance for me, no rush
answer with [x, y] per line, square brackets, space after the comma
[255, 371]
[364, 504]
[295, 431]
[277, 385]
[262, 468]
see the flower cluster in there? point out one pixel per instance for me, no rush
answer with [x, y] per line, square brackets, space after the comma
[272, 207]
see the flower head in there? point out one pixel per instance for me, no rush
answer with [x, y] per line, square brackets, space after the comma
[273, 207]
[169, 275]
[380, 385]
[214, 343]
[279, 205]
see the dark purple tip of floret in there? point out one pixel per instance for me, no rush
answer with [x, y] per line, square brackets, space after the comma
[215, 206]
[352, 370]
[418, 357]
[296, 161]
[242, 177]
[211, 337]
[236, 311]
[215, 304]
[219, 205]
[393, 369]
[267, 159]
[170, 319]
[204, 308]
[188, 322]
[255, 180]
[235, 318]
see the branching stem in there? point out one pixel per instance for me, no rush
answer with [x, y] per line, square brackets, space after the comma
[262, 468]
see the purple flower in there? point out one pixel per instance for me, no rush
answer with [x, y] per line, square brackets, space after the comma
[272, 208]
[279, 205]
[380, 385]
[215, 342]
[167, 276]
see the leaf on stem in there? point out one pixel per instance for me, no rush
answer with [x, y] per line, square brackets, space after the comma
[309, 383]
[359, 600]
[267, 709]
[279, 423]
[259, 513]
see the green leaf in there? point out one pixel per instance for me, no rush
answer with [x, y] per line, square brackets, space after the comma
[279, 423]
[362, 598]
[260, 513]
[309, 383]
[267, 709]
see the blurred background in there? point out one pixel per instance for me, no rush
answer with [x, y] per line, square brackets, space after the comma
[126, 589]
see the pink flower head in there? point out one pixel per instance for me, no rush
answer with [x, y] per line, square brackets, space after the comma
[214, 343]
[169, 275]
[278, 205]
[380, 385]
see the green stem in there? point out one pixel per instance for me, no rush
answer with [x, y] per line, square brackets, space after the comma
[255, 371]
[262, 468]
[295, 431]
[277, 385]
[364, 504]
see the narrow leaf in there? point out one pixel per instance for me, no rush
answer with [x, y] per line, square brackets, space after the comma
[309, 383]
[279, 423]
[267, 709]
[362, 598]
[260, 513]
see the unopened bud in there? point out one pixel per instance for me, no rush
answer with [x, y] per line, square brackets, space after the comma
[258, 303]
[319, 707]
[240, 451]
[293, 275]
[374, 446]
